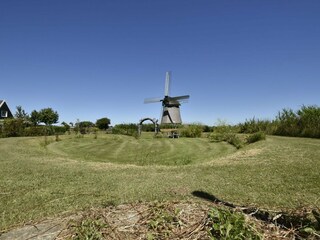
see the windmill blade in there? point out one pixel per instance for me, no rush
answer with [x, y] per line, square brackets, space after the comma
[167, 84]
[184, 97]
[153, 100]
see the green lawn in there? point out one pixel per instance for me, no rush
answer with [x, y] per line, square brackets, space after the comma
[76, 173]
[144, 151]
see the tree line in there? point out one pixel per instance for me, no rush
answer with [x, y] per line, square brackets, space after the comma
[304, 122]
[39, 123]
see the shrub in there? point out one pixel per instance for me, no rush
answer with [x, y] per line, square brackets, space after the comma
[89, 229]
[234, 140]
[192, 131]
[231, 225]
[129, 129]
[59, 129]
[84, 127]
[256, 137]
[287, 123]
[225, 133]
[12, 128]
[256, 125]
[309, 121]
[34, 131]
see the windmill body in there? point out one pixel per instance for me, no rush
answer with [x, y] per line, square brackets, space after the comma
[170, 105]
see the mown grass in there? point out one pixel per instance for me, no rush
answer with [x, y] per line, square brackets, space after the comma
[38, 182]
[143, 151]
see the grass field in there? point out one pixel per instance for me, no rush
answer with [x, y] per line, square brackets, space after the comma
[38, 181]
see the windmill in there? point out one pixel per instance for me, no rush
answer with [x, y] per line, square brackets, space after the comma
[170, 105]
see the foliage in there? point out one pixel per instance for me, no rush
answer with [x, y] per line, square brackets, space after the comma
[48, 116]
[21, 113]
[129, 129]
[84, 127]
[304, 122]
[89, 229]
[35, 117]
[225, 133]
[234, 140]
[207, 128]
[231, 225]
[255, 137]
[312, 229]
[58, 130]
[191, 130]
[66, 126]
[103, 123]
[309, 121]
[256, 125]
[149, 127]
[162, 220]
[287, 123]
[34, 131]
[12, 128]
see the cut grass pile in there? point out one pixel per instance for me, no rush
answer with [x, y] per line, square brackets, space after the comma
[38, 182]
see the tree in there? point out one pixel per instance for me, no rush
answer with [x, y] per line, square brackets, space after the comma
[103, 123]
[35, 117]
[48, 116]
[20, 113]
[85, 126]
[66, 126]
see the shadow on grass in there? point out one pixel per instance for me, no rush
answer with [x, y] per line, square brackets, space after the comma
[211, 198]
[298, 220]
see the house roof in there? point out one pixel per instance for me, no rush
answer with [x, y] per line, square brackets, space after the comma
[1, 102]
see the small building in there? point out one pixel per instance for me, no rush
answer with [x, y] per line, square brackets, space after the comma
[4, 110]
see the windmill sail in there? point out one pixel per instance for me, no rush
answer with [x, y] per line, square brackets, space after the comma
[167, 84]
[170, 105]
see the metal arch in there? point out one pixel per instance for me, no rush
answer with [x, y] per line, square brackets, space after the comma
[153, 120]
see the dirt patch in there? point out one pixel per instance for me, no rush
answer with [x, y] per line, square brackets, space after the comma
[155, 220]
[159, 220]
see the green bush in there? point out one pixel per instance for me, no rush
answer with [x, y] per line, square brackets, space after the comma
[227, 134]
[34, 131]
[309, 121]
[59, 129]
[302, 123]
[89, 229]
[287, 123]
[191, 131]
[129, 129]
[84, 127]
[225, 224]
[256, 125]
[12, 128]
[255, 137]
[234, 140]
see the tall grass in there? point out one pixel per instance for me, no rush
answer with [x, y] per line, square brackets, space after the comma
[304, 122]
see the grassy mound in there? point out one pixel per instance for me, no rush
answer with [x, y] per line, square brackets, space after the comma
[122, 149]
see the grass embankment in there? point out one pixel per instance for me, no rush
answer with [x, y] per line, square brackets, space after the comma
[37, 181]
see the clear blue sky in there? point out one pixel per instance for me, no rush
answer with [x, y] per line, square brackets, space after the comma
[91, 59]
